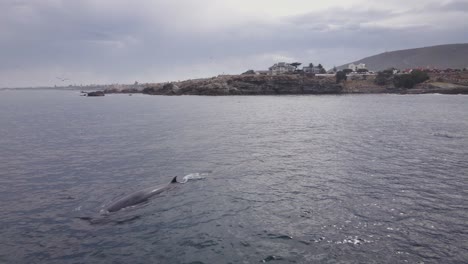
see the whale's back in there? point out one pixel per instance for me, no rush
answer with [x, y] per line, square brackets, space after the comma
[135, 198]
[129, 200]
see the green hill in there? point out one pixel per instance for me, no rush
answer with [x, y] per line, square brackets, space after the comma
[453, 56]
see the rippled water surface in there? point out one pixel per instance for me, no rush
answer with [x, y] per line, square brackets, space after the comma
[288, 179]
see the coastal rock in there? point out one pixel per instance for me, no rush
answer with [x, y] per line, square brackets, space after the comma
[249, 85]
[253, 84]
[439, 87]
[97, 93]
[170, 88]
[122, 90]
[152, 89]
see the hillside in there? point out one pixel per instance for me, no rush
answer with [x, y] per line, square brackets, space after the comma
[453, 56]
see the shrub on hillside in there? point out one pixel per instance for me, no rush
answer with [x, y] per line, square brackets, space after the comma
[340, 76]
[384, 77]
[249, 72]
[410, 80]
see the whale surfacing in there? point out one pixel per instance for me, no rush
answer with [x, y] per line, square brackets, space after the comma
[138, 197]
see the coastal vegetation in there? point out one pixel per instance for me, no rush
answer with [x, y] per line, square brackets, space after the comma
[410, 80]
[384, 77]
[322, 70]
[347, 71]
[340, 76]
[249, 72]
[405, 80]
[296, 64]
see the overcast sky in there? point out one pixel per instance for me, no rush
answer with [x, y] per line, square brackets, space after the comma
[122, 41]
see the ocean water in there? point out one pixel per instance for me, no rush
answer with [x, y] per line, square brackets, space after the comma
[279, 179]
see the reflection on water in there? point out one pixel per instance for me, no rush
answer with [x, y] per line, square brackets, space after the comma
[360, 179]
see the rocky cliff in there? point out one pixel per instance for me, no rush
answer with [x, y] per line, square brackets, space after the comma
[249, 85]
[447, 83]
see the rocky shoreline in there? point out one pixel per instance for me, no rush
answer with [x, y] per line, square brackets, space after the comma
[292, 84]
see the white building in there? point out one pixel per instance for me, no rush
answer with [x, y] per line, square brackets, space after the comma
[262, 72]
[355, 67]
[281, 67]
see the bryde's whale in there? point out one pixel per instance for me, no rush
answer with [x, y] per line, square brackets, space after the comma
[138, 197]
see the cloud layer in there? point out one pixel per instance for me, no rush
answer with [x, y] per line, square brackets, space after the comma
[116, 41]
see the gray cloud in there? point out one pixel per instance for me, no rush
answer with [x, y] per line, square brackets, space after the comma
[459, 6]
[123, 41]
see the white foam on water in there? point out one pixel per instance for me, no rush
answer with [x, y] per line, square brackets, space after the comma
[193, 176]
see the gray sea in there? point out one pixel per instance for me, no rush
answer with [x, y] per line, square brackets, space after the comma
[278, 179]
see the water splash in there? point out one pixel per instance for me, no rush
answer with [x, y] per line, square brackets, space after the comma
[193, 176]
[447, 135]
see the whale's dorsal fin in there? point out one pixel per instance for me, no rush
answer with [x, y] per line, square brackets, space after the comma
[174, 180]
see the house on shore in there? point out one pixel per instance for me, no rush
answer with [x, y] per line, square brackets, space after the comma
[355, 67]
[262, 72]
[281, 67]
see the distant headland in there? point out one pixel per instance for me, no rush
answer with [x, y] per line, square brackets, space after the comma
[286, 78]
